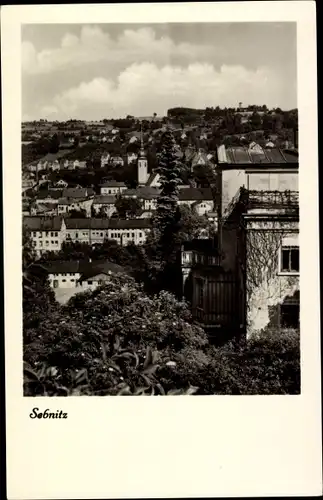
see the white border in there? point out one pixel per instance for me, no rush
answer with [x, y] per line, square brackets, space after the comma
[164, 447]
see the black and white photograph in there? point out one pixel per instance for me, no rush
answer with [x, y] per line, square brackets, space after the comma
[160, 203]
[161, 238]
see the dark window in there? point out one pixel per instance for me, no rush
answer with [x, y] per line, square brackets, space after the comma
[290, 259]
[200, 293]
[90, 282]
[289, 316]
[55, 282]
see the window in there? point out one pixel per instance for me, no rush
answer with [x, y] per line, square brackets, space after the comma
[289, 259]
[47, 243]
[140, 234]
[90, 282]
[52, 234]
[128, 235]
[76, 235]
[289, 316]
[72, 279]
[55, 283]
[101, 234]
[53, 242]
[100, 282]
[200, 293]
[56, 233]
[63, 280]
[35, 233]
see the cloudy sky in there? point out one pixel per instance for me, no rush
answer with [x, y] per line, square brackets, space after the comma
[111, 70]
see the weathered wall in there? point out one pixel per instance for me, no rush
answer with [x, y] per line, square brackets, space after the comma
[272, 181]
[265, 285]
[232, 181]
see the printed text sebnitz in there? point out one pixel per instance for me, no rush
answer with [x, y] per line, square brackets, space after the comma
[47, 414]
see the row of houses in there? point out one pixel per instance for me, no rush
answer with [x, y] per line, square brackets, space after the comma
[49, 233]
[62, 201]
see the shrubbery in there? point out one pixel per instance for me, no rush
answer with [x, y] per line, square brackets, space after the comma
[117, 340]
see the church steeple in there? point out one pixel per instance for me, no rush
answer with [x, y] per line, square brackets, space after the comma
[142, 162]
[142, 150]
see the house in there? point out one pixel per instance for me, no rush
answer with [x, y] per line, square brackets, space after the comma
[104, 203]
[199, 158]
[61, 184]
[200, 198]
[129, 230]
[117, 160]
[145, 194]
[154, 180]
[66, 205]
[47, 209]
[97, 273]
[203, 207]
[112, 187]
[55, 166]
[105, 158]
[95, 231]
[248, 280]
[79, 164]
[68, 278]
[47, 233]
[48, 196]
[131, 157]
[76, 193]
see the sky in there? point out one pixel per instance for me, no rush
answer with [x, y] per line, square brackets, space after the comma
[91, 72]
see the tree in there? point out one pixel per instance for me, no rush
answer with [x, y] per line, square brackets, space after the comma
[167, 214]
[54, 144]
[128, 207]
[77, 214]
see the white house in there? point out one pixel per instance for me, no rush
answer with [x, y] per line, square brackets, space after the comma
[105, 203]
[105, 158]
[200, 198]
[47, 233]
[112, 187]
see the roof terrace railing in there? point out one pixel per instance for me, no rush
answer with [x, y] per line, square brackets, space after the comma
[262, 199]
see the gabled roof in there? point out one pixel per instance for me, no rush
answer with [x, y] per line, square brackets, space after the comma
[196, 194]
[113, 184]
[49, 193]
[70, 201]
[77, 192]
[144, 192]
[243, 155]
[85, 268]
[130, 223]
[38, 223]
[96, 223]
[104, 199]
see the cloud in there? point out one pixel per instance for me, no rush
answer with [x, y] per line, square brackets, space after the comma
[144, 88]
[94, 45]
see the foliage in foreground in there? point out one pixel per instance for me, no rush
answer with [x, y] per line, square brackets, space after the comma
[117, 340]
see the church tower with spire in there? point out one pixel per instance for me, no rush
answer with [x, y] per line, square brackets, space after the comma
[142, 163]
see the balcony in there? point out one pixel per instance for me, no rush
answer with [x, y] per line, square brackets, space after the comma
[265, 200]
